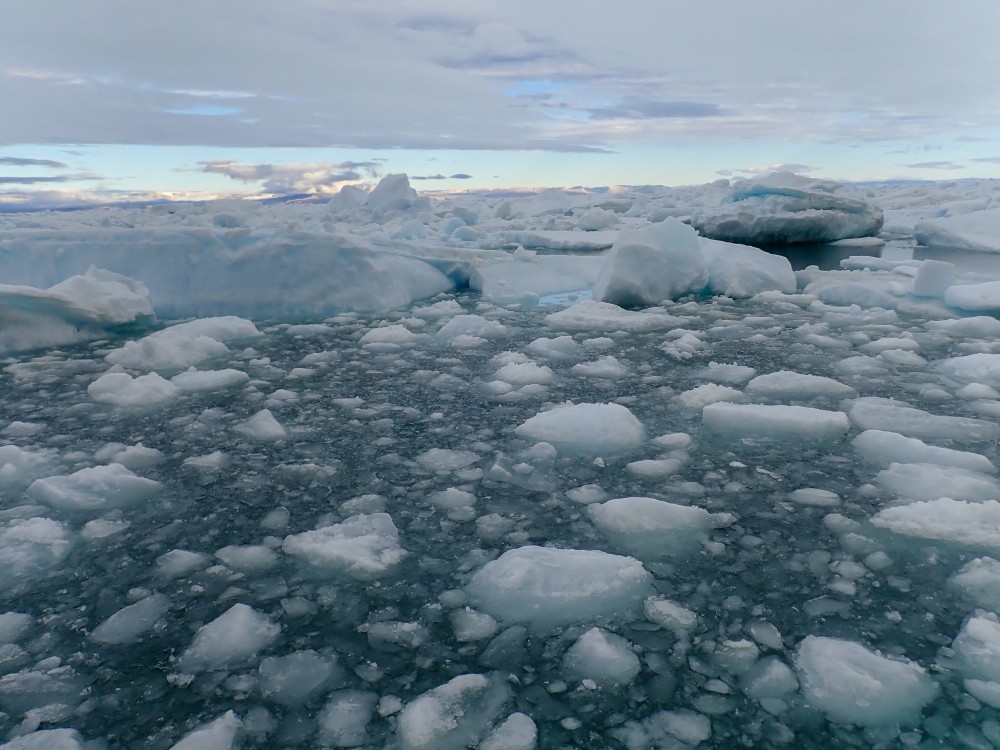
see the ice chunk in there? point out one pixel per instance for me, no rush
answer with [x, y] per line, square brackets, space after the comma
[94, 489]
[981, 367]
[454, 715]
[979, 579]
[649, 265]
[708, 393]
[883, 448]
[178, 563]
[200, 381]
[295, 678]
[546, 587]
[230, 640]
[525, 277]
[363, 546]
[983, 297]
[516, 732]
[784, 209]
[49, 739]
[469, 325]
[13, 625]
[876, 414]
[853, 685]
[933, 278]
[30, 548]
[343, 722]
[393, 194]
[931, 481]
[593, 315]
[603, 657]
[973, 524]
[977, 231]
[121, 389]
[262, 426]
[129, 623]
[795, 385]
[586, 429]
[665, 729]
[248, 558]
[650, 528]
[814, 496]
[587, 494]
[740, 271]
[977, 647]
[605, 367]
[180, 346]
[719, 372]
[977, 326]
[444, 460]
[219, 734]
[524, 373]
[779, 422]
[768, 678]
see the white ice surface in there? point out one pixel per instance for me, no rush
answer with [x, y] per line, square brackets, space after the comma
[586, 429]
[363, 547]
[230, 640]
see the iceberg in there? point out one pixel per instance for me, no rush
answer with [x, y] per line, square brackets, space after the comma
[788, 209]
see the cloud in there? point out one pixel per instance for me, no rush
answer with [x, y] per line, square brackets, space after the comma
[934, 165]
[287, 179]
[459, 176]
[636, 108]
[988, 159]
[8, 180]
[16, 161]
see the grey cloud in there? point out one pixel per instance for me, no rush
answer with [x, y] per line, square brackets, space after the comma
[9, 180]
[638, 108]
[934, 165]
[17, 161]
[292, 178]
[988, 159]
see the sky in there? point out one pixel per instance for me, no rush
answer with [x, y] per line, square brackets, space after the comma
[148, 99]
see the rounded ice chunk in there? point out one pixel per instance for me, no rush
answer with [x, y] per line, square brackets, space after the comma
[945, 519]
[586, 429]
[121, 389]
[95, 489]
[231, 639]
[30, 548]
[853, 685]
[603, 657]
[979, 579]
[516, 732]
[650, 528]
[545, 587]
[977, 648]
[364, 547]
[343, 722]
[454, 715]
[200, 381]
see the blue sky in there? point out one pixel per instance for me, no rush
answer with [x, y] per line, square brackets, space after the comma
[136, 99]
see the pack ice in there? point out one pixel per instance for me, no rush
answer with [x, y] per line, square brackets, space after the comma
[539, 470]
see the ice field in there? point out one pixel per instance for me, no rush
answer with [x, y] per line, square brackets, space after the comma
[544, 470]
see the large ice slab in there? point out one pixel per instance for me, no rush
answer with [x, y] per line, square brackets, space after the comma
[30, 548]
[650, 528]
[199, 271]
[786, 209]
[978, 231]
[778, 421]
[854, 685]
[365, 546]
[81, 308]
[452, 716]
[982, 297]
[647, 266]
[883, 448]
[596, 316]
[588, 429]
[546, 587]
[740, 271]
[889, 416]
[94, 490]
[974, 524]
[230, 640]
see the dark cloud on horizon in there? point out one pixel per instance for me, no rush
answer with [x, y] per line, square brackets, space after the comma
[635, 108]
[459, 176]
[934, 165]
[10, 180]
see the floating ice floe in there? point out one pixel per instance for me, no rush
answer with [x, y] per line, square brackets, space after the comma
[853, 685]
[586, 429]
[787, 209]
[454, 715]
[778, 422]
[183, 345]
[974, 524]
[546, 587]
[363, 547]
[978, 231]
[230, 640]
[883, 448]
[603, 657]
[94, 490]
[652, 529]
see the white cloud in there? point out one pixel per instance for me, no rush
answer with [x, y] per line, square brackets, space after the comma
[285, 179]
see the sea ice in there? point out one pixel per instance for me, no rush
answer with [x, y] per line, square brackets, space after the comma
[651, 529]
[738, 271]
[784, 209]
[230, 640]
[343, 722]
[295, 678]
[853, 685]
[262, 426]
[779, 422]
[219, 734]
[546, 587]
[94, 490]
[883, 448]
[649, 265]
[931, 481]
[129, 623]
[796, 385]
[596, 316]
[183, 345]
[121, 389]
[603, 657]
[364, 547]
[586, 429]
[970, 523]
[454, 715]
